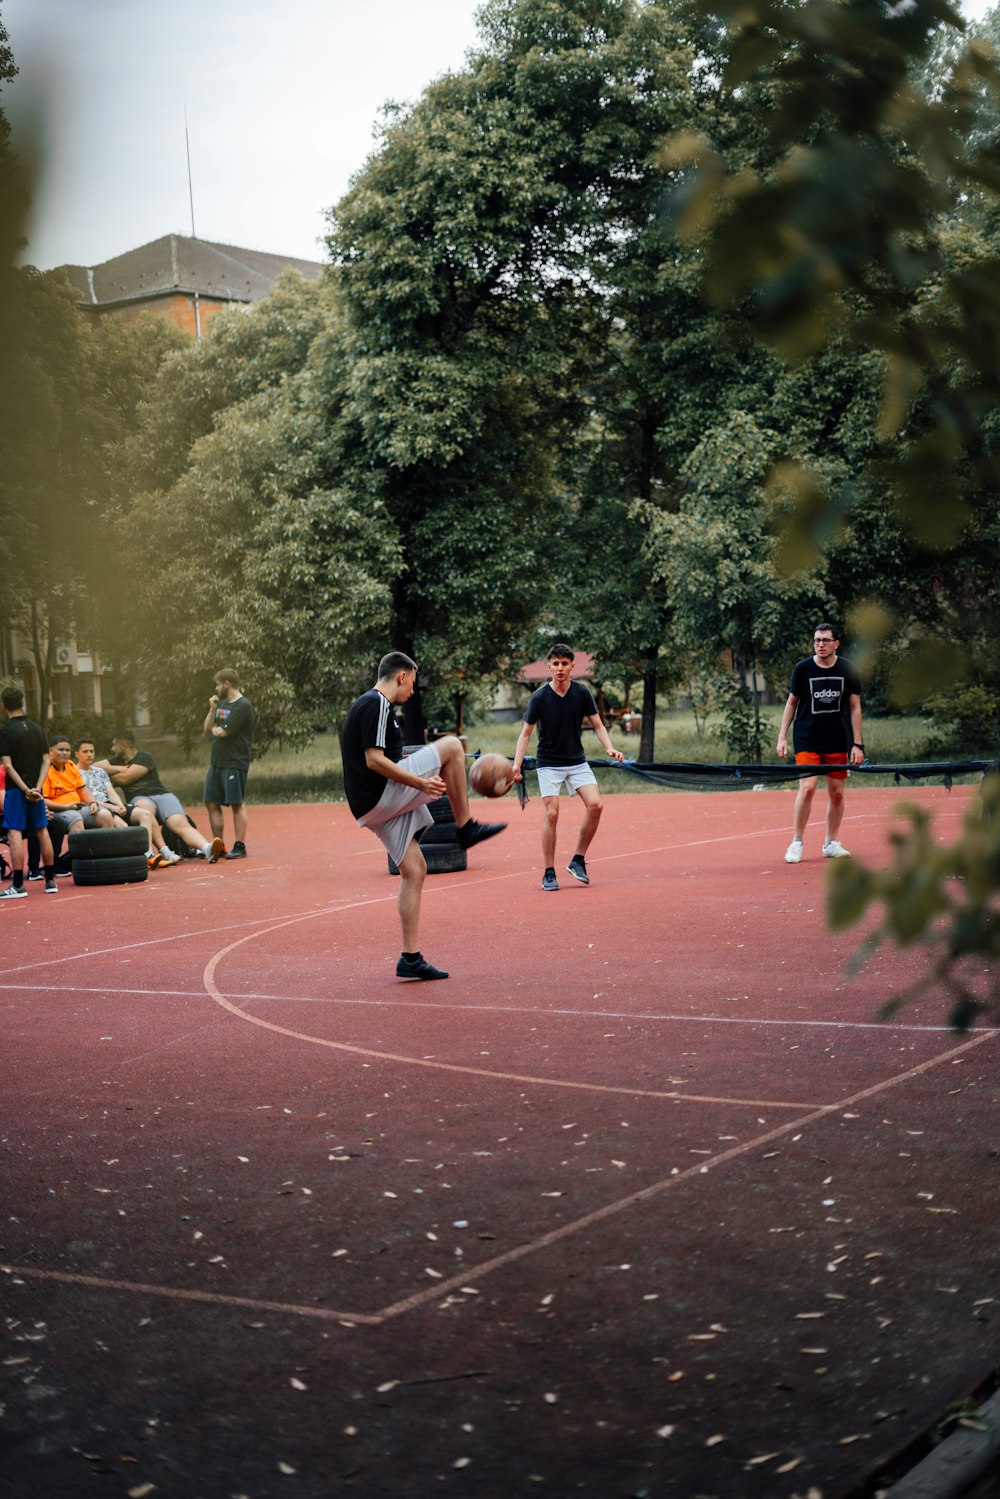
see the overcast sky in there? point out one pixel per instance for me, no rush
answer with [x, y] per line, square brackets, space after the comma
[281, 99]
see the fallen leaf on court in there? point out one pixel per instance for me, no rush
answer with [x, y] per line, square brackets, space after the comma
[547, 1300]
[765, 1457]
[948, 1290]
[789, 1467]
[461, 1462]
[718, 1327]
[140, 1490]
[814, 1350]
[350, 1431]
[287, 1469]
[435, 1273]
[665, 1431]
[714, 1441]
[383, 1389]
[677, 1374]
[972, 1424]
[297, 1384]
[244, 1158]
[550, 1399]
[618, 1163]
[701, 1337]
[388, 1194]
[986, 1301]
[808, 1316]
[551, 1194]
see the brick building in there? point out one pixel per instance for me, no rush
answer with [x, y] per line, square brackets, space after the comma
[184, 279]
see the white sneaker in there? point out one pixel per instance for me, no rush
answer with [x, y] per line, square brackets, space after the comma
[834, 850]
[167, 856]
[793, 853]
[13, 892]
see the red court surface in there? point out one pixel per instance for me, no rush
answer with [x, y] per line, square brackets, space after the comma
[642, 1201]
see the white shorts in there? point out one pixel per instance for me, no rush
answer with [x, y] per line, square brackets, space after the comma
[401, 811]
[552, 777]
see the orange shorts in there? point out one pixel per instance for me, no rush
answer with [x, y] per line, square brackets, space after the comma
[810, 757]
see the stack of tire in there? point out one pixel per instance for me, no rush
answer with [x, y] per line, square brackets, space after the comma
[108, 856]
[439, 842]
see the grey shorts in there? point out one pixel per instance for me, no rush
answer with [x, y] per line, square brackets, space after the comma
[552, 778]
[68, 817]
[402, 812]
[225, 786]
[167, 805]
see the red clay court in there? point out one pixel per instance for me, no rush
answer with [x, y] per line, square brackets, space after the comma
[641, 1202]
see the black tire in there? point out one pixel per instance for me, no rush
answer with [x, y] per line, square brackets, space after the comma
[441, 810]
[445, 858]
[125, 871]
[438, 832]
[440, 858]
[107, 843]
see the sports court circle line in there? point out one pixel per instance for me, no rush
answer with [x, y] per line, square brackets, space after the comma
[216, 995]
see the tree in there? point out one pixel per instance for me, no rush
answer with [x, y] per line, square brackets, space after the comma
[477, 253]
[69, 391]
[844, 235]
[254, 552]
[715, 556]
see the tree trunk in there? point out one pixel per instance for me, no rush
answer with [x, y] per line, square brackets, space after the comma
[647, 738]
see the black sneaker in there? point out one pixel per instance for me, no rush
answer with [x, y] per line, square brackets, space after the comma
[51, 888]
[472, 832]
[578, 869]
[35, 874]
[418, 968]
[549, 881]
[238, 851]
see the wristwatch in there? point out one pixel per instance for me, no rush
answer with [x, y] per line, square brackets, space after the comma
[857, 745]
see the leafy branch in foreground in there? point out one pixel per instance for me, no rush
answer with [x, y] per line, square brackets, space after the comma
[942, 895]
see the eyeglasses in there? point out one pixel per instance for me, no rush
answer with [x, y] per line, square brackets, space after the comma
[822, 640]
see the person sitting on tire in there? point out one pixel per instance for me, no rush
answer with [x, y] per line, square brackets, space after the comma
[99, 783]
[68, 799]
[134, 772]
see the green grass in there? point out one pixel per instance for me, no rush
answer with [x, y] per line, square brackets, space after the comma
[315, 775]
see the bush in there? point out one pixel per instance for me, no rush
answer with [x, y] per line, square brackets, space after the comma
[964, 721]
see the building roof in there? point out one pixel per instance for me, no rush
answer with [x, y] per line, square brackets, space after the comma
[178, 263]
[537, 672]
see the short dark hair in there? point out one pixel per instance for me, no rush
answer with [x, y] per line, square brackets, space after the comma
[561, 649]
[124, 737]
[393, 663]
[85, 740]
[57, 739]
[226, 674]
[826, 625]
[12, 697]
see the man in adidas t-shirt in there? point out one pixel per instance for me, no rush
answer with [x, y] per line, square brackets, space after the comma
[825, 700]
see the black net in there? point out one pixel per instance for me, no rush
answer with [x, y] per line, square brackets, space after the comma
[683, 775]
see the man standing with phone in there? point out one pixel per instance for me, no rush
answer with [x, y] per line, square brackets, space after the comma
[229, 723]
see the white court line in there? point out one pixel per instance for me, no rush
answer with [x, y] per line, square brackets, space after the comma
[438, 889]
[886, 1026]
[473, 1274]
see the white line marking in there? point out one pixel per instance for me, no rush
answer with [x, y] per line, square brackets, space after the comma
[472, 1274]
[887, 1027]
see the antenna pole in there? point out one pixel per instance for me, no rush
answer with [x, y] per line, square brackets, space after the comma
[187, 143]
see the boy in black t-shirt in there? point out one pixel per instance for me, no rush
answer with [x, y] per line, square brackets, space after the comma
[825, 700]
[229, 722]
[389, 795]
[559, 709]
[24, 754]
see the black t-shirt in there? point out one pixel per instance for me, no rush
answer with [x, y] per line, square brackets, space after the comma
[147, 785]
[237, 720]
[559, 719]
[23, 741]
[370, 724]
[823, 710]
